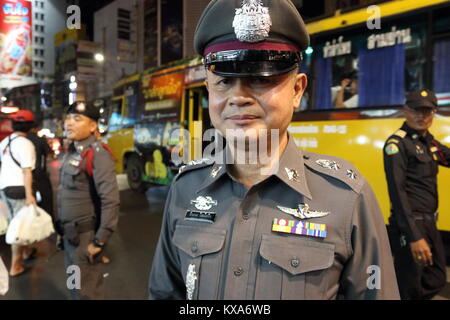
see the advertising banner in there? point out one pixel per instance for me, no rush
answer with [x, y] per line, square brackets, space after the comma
[15, 41]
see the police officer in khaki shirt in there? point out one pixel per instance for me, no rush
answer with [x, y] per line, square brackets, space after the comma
[88, 200]
[295, 225]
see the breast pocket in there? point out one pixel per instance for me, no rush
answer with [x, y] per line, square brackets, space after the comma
[201, 255]
[292, 268]
[68, 176]
[425, 165]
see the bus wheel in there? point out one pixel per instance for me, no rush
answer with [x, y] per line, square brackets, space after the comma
[134, 174]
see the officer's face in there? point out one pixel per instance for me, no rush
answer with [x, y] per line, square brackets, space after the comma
[419, 119]
[79, 127]
[254, 103]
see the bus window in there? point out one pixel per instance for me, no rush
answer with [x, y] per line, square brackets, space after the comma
[369, 68]
[116, 113]
[130, 108]
[441, 75]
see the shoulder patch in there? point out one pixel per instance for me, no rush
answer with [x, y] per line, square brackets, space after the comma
[391, 149]
[192, 165]
[335, 167]
[400, 133]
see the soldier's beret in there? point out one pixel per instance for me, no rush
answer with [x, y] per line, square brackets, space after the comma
[84, 109]
[251, 37]
[421, 98]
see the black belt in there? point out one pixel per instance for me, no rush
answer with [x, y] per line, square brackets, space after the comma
[80, 226]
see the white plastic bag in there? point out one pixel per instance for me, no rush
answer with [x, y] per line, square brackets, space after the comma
[4, 218]
[31, 224]
[4, 278]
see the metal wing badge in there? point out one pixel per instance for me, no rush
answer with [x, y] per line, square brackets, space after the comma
[303, 212]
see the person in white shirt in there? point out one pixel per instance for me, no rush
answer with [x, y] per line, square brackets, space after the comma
[18, 157]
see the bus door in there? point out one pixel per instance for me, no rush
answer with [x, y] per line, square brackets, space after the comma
[196, 116]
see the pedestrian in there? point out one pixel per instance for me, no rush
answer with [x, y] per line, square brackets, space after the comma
[297, 225]
[18, 158]
[411, 161]
[87, 182]
[41, 177]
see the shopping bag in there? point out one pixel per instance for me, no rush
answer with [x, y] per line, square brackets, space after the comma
[4, 278]
[4, 218]
[31, 224]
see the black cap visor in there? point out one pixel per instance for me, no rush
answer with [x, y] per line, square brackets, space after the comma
[252, 63]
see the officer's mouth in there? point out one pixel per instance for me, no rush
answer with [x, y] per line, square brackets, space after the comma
[243, 119]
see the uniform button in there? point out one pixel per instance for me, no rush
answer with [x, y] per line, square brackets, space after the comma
[295, 263]
[194, 247]
[238, 271]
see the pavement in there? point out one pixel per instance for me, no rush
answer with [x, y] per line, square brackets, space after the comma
[131, 250]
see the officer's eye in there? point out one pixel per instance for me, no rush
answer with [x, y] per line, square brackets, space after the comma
[224, 81]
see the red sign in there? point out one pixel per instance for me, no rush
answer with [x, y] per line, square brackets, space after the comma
[15, 38]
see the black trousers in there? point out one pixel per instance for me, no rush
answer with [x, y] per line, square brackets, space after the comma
[91, 275]
[417, 282]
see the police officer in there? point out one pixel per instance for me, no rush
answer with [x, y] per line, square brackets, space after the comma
[292, 225]
[411, 160]
[85, 234]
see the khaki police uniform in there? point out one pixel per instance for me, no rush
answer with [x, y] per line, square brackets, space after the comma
[411, 162]
[88, 209]
[311, 230]
[238, 256]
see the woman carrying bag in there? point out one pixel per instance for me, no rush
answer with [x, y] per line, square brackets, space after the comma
[18, 157]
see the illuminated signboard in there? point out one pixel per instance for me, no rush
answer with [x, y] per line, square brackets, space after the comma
[15, 39]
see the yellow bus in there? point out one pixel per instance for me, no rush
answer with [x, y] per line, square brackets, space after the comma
[360, 65]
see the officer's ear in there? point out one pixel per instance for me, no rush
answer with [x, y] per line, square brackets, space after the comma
[93, 126]
[300, 83]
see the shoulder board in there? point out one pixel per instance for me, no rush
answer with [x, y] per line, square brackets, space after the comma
[337, 168]
[400, 133]
[392, 141]
[193, 165]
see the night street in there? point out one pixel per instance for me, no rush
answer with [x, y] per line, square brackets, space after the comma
[131, 250]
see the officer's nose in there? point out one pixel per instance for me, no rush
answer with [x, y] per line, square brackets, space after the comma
[241, 94]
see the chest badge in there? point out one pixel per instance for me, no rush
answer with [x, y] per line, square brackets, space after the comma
[303, 212]
[419, 150]
[191, 277]
[204, 203]
[317, 230]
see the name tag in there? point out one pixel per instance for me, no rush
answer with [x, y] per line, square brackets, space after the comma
[208, 217]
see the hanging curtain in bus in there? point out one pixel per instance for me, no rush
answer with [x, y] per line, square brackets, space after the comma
[441, 66]
[323, 81]
[382, 77]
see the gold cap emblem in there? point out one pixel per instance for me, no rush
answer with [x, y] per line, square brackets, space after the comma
[424, 94]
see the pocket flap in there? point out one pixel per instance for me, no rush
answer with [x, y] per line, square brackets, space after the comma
[297, 255]
[195, 241]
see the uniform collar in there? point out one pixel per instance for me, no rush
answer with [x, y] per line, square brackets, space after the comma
[81, 145]
[415, 135]
[291, 170]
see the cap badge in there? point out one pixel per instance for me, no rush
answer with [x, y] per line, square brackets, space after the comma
[81, 107]
[424, 94]
[303, 212]
[252, 22]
